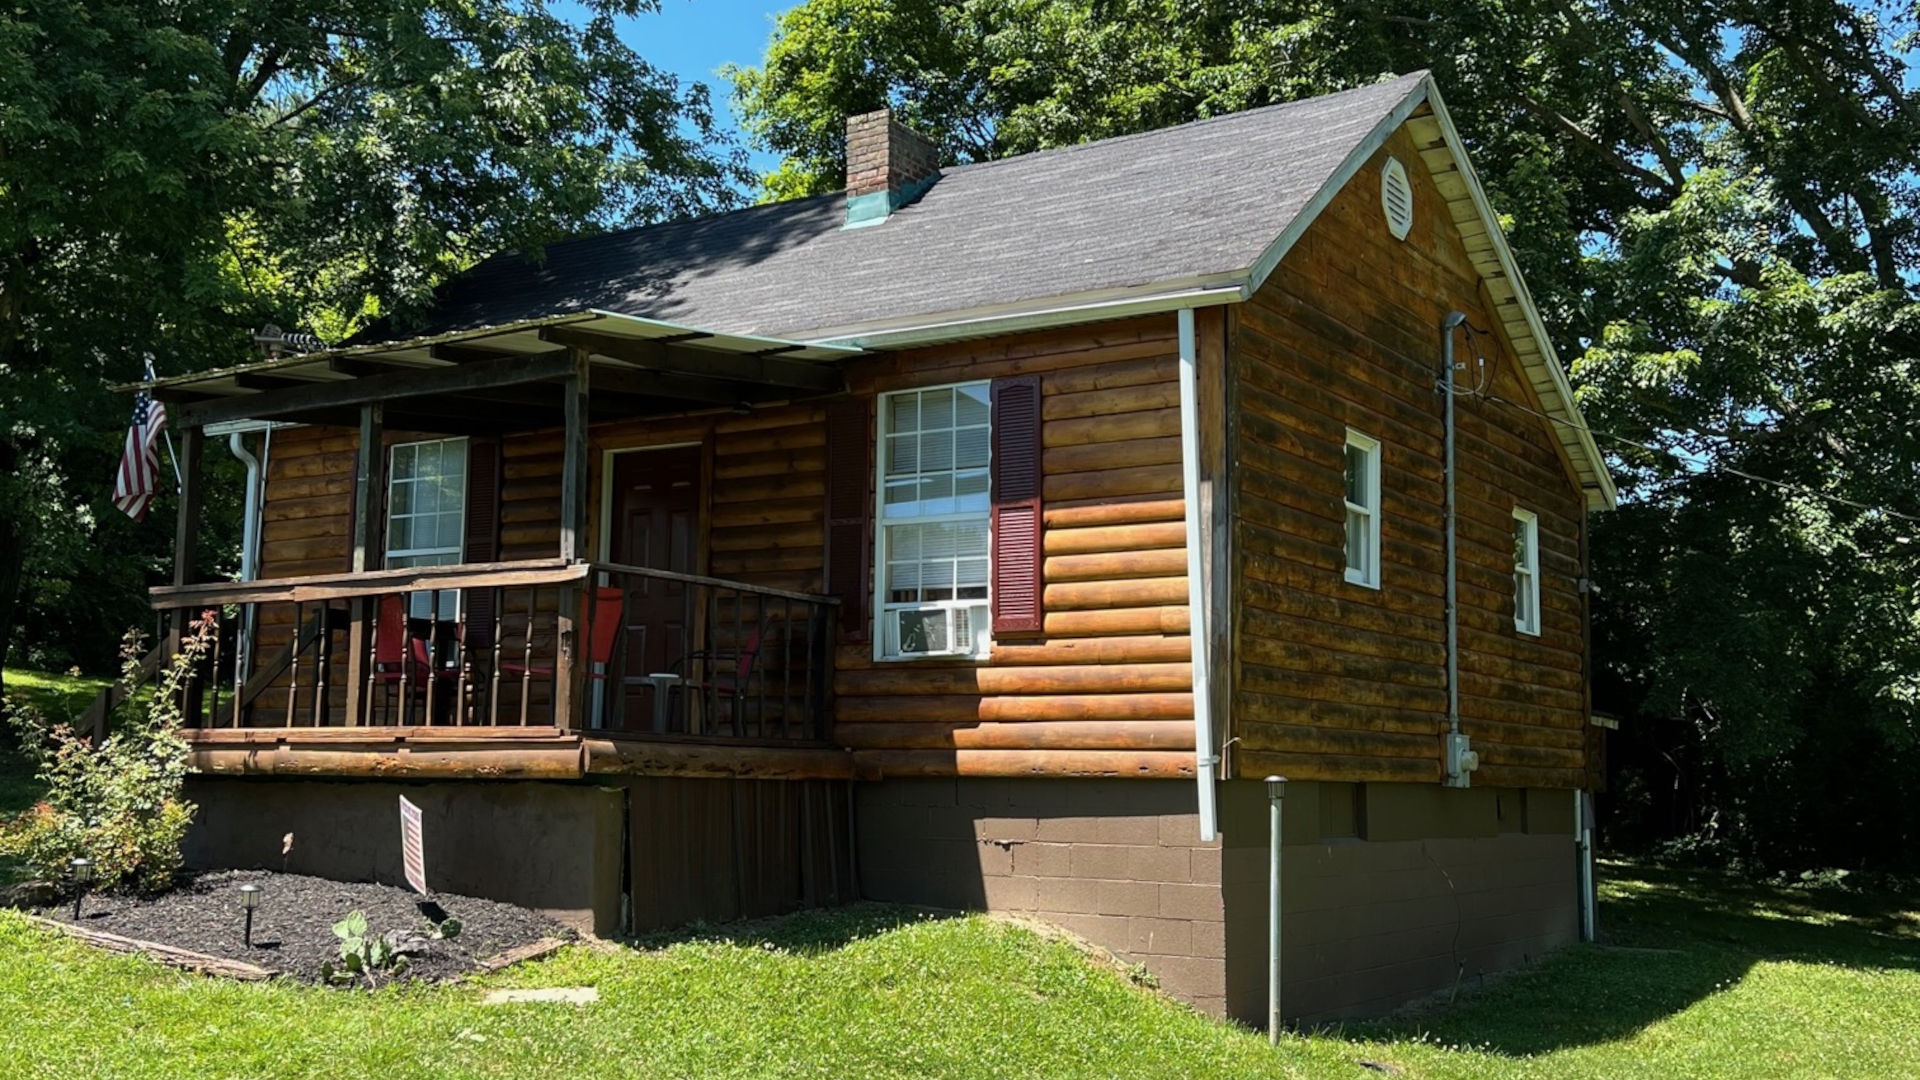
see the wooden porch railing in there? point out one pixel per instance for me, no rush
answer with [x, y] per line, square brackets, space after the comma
[552, 644]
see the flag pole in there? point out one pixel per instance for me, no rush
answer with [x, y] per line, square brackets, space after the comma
[166, 433]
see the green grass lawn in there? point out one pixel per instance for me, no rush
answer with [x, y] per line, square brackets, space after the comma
[59, 697]
[1704, 978]
[1701, 977]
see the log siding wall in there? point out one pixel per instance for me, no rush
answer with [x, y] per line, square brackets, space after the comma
[1106, 688]
[1335, 681]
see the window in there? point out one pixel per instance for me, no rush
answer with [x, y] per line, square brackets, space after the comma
[427, 514]
[1526, 571]
[1363, 510]
[934, 527]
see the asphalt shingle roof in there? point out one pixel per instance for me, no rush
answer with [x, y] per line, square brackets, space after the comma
[1200, 199]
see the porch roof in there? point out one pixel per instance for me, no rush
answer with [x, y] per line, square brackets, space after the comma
[509, 377]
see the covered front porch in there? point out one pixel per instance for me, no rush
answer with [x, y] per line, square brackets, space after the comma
[405, 622]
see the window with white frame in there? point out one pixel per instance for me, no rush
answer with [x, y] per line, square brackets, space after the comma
[1526, 571]
[1363, 509]
[427, 514]
[935, 522]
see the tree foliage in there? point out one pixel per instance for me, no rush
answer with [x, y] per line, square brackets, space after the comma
[175, 174]
[1715, 203]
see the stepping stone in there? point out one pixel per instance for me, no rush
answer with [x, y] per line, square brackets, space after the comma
[561, 995]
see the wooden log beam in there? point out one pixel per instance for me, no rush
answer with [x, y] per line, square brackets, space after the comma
[1044, 735]
[483, 760]
[1168, 619]
[1145, 536]
[1115, 566]
[966, 708]
[451, 379]
[1128, 512]
[890, 680]
[1105, 595]
[650, 757]
[691, 360]
[1139, 764]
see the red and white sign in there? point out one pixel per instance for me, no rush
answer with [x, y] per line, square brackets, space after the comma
[411, 852]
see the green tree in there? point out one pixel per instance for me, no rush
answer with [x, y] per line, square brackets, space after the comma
[174, 174]
[1715, 203]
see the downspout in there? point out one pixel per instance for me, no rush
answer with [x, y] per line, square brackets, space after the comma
[1205, 759]
[249, 552]
[1460, 760]
[1276, 802]
[249, 508]
[1583, 843]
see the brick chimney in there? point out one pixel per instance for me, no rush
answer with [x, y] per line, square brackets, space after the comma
[888, 166]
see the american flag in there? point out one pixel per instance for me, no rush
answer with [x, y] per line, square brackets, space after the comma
[133, 485]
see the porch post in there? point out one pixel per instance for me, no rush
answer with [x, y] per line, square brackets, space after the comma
[573, 476]
[368, 497]
[366, 485]
[570, 695]
[186, 535]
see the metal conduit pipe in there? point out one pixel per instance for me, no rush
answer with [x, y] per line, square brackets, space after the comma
[1460, 759]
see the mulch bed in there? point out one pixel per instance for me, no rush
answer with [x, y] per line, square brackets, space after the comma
[293, 926]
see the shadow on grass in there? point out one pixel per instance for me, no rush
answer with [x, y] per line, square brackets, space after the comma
[1669, 939]
[818, 930]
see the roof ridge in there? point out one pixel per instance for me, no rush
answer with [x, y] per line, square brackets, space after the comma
[1278, 106]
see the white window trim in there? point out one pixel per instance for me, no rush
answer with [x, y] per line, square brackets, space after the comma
[881, 608]
[1371, 577]
[458, 551]
[1530, 567]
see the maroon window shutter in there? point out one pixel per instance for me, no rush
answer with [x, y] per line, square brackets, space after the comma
[482, 541]
[849, 512]
[1016, 505]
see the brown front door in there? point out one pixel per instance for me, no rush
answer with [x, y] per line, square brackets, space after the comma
[656, 523]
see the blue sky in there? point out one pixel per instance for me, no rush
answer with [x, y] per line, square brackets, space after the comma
[695, 38]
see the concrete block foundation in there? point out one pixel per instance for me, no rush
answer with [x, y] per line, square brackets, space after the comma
[1392, 891]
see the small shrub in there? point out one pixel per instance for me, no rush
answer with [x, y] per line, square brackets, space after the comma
[121, 803]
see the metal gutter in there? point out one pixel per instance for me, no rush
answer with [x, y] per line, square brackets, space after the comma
[1063, 311]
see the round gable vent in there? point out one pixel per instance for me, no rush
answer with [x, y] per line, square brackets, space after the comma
[1396, 198]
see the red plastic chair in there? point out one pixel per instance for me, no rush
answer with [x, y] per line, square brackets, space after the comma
[720, 685]
[393, 641]
[603, 629]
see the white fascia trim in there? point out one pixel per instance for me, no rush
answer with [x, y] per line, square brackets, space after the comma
[243, 427]
[1062, 311]
[1606, 497]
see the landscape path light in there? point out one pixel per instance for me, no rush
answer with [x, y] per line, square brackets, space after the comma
[249, 899]
[82, 870]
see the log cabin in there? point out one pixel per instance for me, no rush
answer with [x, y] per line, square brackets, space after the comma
[982, 537]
